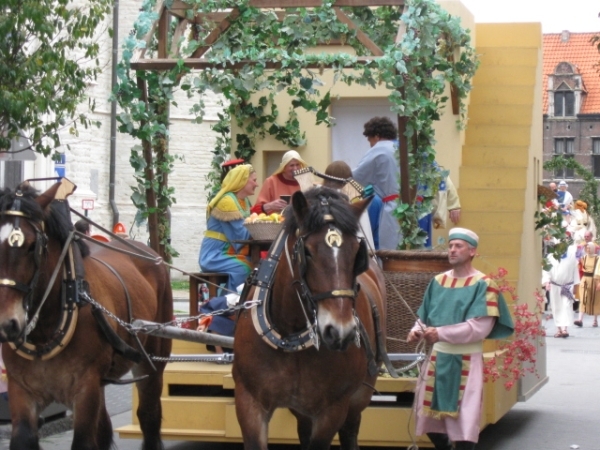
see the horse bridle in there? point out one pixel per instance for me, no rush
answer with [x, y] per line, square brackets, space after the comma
[304, 290]
[333, 238]
[263, 277]
[17, 239]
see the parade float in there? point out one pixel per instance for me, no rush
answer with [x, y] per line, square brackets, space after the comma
[494, 159]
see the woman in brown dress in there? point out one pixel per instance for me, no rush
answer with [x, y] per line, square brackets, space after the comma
[589, 289]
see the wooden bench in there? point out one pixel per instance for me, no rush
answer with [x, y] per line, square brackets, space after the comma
[213, 280]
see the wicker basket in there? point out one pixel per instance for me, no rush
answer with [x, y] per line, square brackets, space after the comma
[407, 274]
[263, 231]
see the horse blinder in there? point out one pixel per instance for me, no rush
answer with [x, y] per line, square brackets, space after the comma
[361, 262]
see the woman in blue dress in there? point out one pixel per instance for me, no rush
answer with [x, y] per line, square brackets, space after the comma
[225, 224]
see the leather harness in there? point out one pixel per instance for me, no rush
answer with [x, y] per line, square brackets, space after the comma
[73, 295]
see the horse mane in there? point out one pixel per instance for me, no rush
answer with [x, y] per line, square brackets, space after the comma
[58, 224]
[339, 208]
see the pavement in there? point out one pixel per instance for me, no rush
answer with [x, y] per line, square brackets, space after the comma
[561, 416]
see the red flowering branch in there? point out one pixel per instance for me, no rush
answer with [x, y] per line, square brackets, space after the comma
[516, 356]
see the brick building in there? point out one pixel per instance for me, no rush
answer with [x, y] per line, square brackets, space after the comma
[571, 104]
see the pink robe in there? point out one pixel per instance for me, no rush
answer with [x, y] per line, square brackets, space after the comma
[272, 188]
[466, 426]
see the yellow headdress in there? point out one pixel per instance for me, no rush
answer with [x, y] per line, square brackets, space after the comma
[235, 180]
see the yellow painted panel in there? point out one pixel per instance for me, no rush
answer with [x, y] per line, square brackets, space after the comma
[198, 367]
[188, 348]
[500, 114]
[489, 264]
[498, 136]
[509, 35]
[502, 95]
[508, 56]
[481, 199]
[214, 379]
[496, 156]
[228, 382]
[395, 384]
[493, 222]
[200, 413]
[502, 245]
[505, 76]
[381, 423]
[490, 177]
[497, 401]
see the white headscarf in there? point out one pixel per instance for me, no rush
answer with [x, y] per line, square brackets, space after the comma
[287, 157]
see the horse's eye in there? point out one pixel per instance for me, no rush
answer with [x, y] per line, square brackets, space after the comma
[31, 247]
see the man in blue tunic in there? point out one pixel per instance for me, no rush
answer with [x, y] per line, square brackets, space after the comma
[379, 168]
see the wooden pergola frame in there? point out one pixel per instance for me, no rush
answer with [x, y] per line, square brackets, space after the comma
[224, 20]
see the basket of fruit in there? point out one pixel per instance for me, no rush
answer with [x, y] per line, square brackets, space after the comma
[264, 227]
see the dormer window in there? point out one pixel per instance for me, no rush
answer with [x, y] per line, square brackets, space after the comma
[565, 91]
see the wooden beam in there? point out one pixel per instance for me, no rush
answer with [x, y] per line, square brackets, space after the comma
[214, 34]
[454, 100]
[362, 37]
[282, 4]
[401, 27]
[220, 16]
[179, 31]
[201, 63]
[139, 53]
[163, 33]
[150, 194]
[318, 3]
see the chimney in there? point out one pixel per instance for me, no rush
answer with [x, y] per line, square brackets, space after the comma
[564, 36]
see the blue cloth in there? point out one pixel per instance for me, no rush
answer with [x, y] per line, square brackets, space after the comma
[221, 324]
[374, 211]
[220, 256]
[380, 168]
[426, 224]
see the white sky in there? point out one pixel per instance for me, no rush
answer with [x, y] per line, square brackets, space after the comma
[555, 15]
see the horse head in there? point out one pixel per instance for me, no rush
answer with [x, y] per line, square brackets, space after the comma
[328, 257]
[26, 221]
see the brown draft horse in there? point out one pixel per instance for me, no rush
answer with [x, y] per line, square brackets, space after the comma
[325, 277]
[33, 232]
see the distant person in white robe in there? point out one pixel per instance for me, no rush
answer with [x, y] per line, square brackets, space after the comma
[583, 222]
[559, 281]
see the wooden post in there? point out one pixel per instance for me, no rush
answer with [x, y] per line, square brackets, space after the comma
[150, 195]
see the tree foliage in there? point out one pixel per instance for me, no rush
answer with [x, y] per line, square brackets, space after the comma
[48, 55]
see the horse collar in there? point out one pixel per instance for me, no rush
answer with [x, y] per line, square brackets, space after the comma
[69, 313]
[262, 278]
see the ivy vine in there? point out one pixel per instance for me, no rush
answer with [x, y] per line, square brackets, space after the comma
[434, 51]
[589, 192]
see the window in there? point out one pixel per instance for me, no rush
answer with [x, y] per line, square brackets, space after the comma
[564, 103]
[596, 156]
[564, 147]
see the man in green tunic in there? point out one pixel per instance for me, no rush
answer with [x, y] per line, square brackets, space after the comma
[460, 309]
